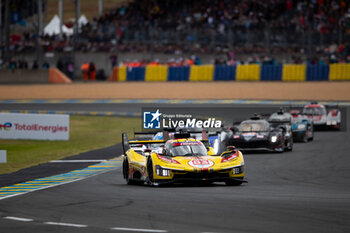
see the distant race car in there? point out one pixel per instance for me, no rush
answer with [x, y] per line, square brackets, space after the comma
[302, 126]
[257, 134]
[283, 120]
[179, 160]
[321, 115]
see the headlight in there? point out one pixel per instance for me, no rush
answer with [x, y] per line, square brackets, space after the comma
[238, 170]
[274, 139]
[301, 126]
[162, 172]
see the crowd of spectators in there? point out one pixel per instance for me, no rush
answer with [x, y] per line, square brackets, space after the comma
[22, 64]
[321, 15]
[273, 17]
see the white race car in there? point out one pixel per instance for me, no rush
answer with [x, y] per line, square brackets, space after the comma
[323, 116]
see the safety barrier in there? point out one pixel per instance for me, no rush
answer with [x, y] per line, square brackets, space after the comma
[271, 73]
[293, 72]
[339, 72]
[317, 72]
[181, 73]
[202, 73]
[224, 73]
[251, 72]
[135, 73]
[248, 72]
[156, 73]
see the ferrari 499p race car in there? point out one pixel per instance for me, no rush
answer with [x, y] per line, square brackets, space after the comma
[321, 116]
[179, 160]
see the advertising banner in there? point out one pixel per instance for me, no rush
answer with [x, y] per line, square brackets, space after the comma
[3, 156]
[34, 126]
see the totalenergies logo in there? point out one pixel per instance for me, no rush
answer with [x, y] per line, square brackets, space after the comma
[6, 126]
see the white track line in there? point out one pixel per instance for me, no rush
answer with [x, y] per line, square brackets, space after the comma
[19, 219]
[78, 161]
[136, 229]
[65, 224]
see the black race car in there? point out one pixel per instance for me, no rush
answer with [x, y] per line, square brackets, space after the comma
[257, 134]
[283, 120]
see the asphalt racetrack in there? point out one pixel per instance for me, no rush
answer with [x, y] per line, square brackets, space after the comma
[306, 190]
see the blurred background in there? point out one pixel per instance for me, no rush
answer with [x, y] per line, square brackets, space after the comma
[102, 34]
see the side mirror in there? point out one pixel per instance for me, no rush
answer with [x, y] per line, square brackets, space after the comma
[148, 150]
[231, 148]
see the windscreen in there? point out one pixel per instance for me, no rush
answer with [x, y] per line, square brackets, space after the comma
[281, 118]
[314, 111]
[253, 127]
[187, 149]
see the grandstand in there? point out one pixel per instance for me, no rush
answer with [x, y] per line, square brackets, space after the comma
[214, 31]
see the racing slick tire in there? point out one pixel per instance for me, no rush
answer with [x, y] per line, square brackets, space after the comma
[306, 138]
[290, 145]
[282, 147]
[311, 131]
[150, 178]
[126, 174]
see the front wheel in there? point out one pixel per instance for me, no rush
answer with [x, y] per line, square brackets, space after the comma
[282, 146]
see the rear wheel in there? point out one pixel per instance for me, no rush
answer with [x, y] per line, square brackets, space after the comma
[306, 137]
[311, 133]
[290, 144]
[150, 171]
[126, 173]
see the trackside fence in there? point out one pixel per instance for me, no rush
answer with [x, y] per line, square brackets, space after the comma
[251, 72]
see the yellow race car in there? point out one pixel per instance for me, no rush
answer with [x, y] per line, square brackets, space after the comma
[179, 160]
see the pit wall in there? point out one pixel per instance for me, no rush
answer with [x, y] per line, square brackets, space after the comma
[251, 72]
[23, 76]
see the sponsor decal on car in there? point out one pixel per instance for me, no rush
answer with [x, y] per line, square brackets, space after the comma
[201, 163]
[186, 143]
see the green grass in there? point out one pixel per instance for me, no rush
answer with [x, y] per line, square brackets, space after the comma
[86, 133]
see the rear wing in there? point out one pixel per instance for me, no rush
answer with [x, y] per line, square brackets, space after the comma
[126, 142]
[279, 122]
[332, 106]
[295, 107]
